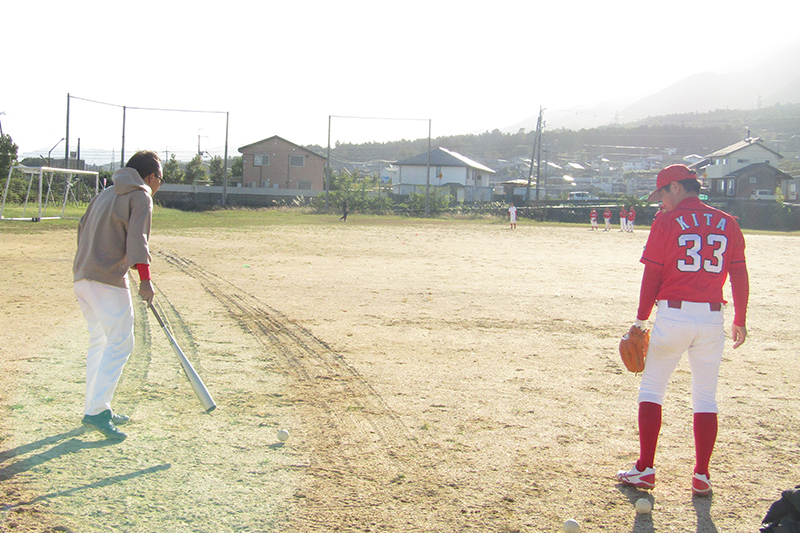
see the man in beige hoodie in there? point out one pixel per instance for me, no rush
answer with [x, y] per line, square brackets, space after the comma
[113, 237]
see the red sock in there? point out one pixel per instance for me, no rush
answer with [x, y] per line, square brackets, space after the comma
[705, 435]
[649, 427]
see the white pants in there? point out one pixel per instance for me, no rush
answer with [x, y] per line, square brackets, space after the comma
[109, 313]
[623, 224]
[695, 329]
[608, 223]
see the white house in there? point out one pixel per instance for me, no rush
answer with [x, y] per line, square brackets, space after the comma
[467, 180]
[739, 155]
[737, 170]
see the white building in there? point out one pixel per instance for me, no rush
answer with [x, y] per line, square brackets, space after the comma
[467, 180]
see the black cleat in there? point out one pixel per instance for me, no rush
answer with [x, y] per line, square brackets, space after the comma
[102, 423]
[118, 419]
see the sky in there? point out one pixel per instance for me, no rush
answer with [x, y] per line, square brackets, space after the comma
[356, 71]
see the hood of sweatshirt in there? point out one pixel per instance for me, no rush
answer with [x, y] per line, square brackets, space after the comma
[127, 180]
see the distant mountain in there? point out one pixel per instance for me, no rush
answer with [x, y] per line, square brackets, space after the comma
[774, 81]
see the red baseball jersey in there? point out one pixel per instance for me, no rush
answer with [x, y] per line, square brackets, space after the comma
[593, 215]
[607, 213]
[623, 214]
[631, 215]
[694, 247]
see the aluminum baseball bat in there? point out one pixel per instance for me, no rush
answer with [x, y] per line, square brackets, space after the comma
[194, 380]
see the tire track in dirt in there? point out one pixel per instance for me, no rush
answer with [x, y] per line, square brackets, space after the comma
[364, 460]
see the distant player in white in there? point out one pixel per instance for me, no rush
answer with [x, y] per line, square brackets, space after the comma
[607, 219]
[623, 218]
[512, 215]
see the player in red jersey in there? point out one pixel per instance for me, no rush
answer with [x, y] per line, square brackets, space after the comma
[607, 219]
[623, 218]
[593, 218]
[631, 218]
[692, 249]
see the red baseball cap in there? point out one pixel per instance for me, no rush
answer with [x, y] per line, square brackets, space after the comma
[670, 174]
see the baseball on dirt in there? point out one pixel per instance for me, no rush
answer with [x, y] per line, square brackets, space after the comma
[283, 435]
[643, 506]
[571, 526]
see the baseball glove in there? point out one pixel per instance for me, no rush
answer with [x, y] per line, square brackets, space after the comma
[633, 348]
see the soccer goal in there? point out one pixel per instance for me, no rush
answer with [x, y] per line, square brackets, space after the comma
[56, 187]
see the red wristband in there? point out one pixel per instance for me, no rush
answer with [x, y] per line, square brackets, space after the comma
[144, 271]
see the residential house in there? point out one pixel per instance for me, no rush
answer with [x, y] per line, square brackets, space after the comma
[276, 163]
[737, 170]
[465, 179]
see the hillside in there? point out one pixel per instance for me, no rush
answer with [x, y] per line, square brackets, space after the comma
[773, 81]
[687, 133]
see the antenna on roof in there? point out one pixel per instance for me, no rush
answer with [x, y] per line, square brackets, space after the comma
[748, 132]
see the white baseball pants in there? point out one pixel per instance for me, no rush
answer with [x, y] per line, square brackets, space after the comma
[695, 329]
[109, 313]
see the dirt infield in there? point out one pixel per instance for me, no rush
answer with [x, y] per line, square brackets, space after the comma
[434, 376]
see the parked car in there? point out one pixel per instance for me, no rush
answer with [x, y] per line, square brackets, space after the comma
[581, 196]
[762, 194]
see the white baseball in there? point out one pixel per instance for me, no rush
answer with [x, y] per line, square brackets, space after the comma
[283, 435]
[643, 506]
[571, 526]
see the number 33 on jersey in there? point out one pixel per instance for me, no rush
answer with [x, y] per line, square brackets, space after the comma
[694, 246]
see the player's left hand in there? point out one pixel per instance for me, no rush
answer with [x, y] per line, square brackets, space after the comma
[146, 291]
[739, 334]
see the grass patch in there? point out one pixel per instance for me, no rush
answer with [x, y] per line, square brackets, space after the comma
[166, 219]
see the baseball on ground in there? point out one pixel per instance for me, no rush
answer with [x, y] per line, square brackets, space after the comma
[571, 526]
[643, 506]
[283, 435]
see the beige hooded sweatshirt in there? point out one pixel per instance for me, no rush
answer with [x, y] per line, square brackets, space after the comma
[114, 231]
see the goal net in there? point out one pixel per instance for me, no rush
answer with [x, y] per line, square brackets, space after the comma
[30, 191]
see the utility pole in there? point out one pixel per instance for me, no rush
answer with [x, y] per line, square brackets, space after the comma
[122, 154]
[225, 168]
[328, 170]
[66, 137]
[428, 178]
[539, 126]
[536, 146]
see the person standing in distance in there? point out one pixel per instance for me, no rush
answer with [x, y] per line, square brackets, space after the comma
[692, 249]
[113, 237]
[607, 219]
[512, 216]
[593, 218]
[623, 218]
[631, 219]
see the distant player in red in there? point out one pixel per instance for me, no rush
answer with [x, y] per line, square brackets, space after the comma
[691, 250]
[623, 218]
[631, 218]
[593, 218]
[607, 219]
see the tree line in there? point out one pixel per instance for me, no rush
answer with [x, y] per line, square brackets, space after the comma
[689, 133]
